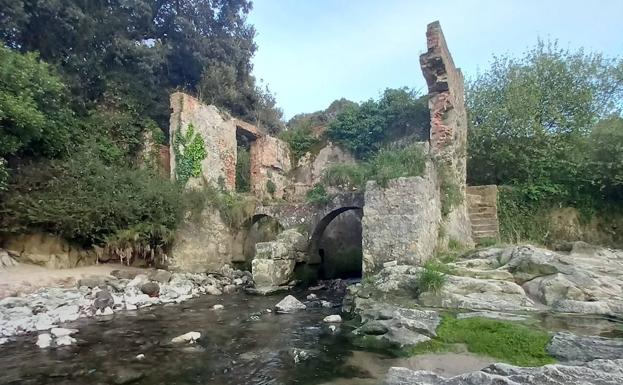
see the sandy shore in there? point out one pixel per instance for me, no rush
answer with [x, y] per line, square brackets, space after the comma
[24, 279]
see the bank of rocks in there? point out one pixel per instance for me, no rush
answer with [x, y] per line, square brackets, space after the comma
[597, 372]
[585, 280]
[105, 295]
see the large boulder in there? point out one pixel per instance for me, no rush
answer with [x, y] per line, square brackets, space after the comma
[271, 272]
[570, 347]
[393, 326]
[598, 372]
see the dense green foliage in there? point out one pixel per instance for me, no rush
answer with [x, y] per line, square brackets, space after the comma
[189, 151]
[365, 128]
[34, 119]
[451, 195]
[85, 200]
[510, 342]
[300, 140]
[243, 170]
[139, 51]
[386, 165]
[317, 195]
[541, 123]
[71, 131]
[233, 208]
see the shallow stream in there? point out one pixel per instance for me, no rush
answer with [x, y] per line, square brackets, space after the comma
[242, 344]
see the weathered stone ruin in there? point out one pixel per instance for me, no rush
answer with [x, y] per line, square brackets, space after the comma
[402, 223]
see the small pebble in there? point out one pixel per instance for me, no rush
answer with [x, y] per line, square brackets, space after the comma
[140, 357]
[218, 307]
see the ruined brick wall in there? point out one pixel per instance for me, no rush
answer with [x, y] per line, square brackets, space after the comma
[270, 165]
[448, 133]
[219, 136]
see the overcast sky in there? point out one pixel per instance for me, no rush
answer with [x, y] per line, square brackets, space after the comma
[311, 52]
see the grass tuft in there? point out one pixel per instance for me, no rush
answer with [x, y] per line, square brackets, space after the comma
[509, 342]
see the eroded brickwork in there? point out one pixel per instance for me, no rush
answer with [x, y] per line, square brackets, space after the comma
[219, 137]
[270, 164]
[448, 133]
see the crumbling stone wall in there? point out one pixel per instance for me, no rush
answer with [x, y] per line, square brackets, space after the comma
[270, 165]
[448, 133]
[310, 168]
[219, 137]
[401, 222]
[203, 244]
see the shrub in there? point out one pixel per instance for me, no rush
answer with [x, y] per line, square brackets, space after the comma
[317, 195]
[364, 129]
[271, 187]
[346, 175]
[450, 191]
[85, 200]
[243, 170]
[189, 151]
[383, 167]
[432, 277]
[300, 140]
[234, 208]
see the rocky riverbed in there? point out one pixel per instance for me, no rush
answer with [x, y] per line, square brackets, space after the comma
[104, 295]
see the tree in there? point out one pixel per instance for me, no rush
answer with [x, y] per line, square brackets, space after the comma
[530, 118]
[34, 117]
[141, 49]
[365, 128]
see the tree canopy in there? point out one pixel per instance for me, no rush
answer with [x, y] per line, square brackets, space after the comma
[541, 121]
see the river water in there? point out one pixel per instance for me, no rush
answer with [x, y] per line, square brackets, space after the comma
[242, 344]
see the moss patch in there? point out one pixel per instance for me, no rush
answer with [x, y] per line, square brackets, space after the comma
[507, 341]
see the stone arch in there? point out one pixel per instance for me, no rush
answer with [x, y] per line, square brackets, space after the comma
[244, 254]
[316, 253]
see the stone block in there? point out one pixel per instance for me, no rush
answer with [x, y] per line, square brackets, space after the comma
[270, 272]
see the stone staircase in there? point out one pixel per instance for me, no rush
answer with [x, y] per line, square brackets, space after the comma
[483, 212]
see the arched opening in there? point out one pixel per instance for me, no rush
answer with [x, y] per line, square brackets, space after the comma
[336, 244]
[259, 228]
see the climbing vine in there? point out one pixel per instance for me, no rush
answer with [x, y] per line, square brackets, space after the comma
[189, 151]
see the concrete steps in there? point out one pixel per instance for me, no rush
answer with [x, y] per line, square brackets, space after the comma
[483, 212]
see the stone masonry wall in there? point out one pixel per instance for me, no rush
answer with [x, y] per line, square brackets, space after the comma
[448, 134]
[203, 244]
[218, 134]
[401, 222]
[270, 161]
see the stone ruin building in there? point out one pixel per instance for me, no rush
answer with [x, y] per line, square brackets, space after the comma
[401, 223]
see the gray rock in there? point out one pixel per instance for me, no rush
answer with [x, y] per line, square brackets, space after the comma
[152, 289]
[598, 372]
[289, 305]
[160, 276]
[300, 355]
[124, 274]
[570, 347]
[44, 340]
[103, 299]
[93, 281]
[374, 328]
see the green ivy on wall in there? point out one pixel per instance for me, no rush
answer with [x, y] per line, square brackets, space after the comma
[189, 151]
